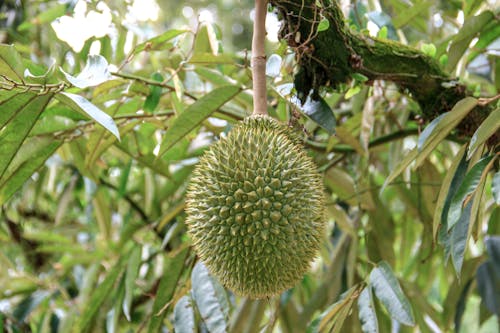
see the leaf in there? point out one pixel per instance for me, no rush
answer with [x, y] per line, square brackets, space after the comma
[195, 114]
[323, 25]
[406, 16]
[94, 73]
[184, 316]
[487, 128]
[98, 297]
[82, 105]
[366, 310]
[388, 291]
[400, 167]
[458, 238]
[22, 114]
[471, 27]
[440, 127]
[153, 98]
[273, 65]
[335, 314]
[489, 34]
[367, 122]
[381, 19]
[171, 274]
[487, 284]
[466, 189]
[352, 91]
[495, 187]
[11, 64]
[207, 302]
[45, 16]
[133, 264]
[209, 58]
[159, 42]
[319, 111]
[28, 159]
[445, 190]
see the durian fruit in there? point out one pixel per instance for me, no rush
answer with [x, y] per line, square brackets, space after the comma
[255, 207]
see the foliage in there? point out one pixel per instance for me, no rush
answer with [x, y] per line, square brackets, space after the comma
[97, 147]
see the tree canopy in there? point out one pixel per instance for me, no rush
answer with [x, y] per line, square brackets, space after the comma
[107, 106]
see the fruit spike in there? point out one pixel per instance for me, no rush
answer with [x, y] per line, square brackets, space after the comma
[255, 208]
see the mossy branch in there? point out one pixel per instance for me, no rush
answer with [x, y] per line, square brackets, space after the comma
[331, 57]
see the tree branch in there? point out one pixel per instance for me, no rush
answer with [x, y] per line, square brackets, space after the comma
[330, 57]
[259, 59]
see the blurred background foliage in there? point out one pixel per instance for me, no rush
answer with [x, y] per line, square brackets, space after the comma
[95, 155]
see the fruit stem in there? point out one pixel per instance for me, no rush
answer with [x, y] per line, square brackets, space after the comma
[259, 59]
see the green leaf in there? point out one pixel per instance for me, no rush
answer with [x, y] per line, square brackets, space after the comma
[400, 167]
[209, 58]
[445, 190]
[366, 310]
[404, 17]
[168, 282]
[487, 36]
[207, 302]
[352, 91]
[184, 316]
[320, 112]
[472, 26]
[388, 291]
[323, 25]
[195, 114]
[94, 73]
[28, 159]
[466, 189]
[82, 105]
[332, 319]
[159, 42]
[487, 128]
[11, 64]
[133, 264]
[495, 187]
[98, 297]
[23, 113]
[458, 238]
[45, 16]
[440, 127]
[153, 98]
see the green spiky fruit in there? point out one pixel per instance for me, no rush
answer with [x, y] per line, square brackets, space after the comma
[255, 208]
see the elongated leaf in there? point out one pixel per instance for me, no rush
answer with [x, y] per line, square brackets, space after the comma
[458, 238]
[195, 114]
[45, 16]
[495, 187]
[320, 112]
[168, 282]
[472, 26]
[81, 104]
[444, 191]
[468, 187]
[335, 314]
[159, 42]
[487, 128]
[367, 314]
[184, 316]
[30, 156]
[94, 73]
[133, 264]
[16, 128]
[11, 64]
[430, 139]
[98, 297]
[388, 291]
[204, 294]
[400, 167]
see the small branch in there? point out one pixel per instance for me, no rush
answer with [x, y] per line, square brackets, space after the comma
[259, 59]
